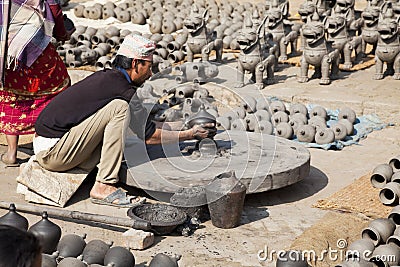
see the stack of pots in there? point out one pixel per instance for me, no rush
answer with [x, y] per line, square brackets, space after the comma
[387, 178]
[177, 104]
[293, 123]
[379, 244]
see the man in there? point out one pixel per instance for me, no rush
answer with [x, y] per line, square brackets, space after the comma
[82, 127]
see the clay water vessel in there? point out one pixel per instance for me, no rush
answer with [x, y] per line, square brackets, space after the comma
[201, 117]
[119, 257]
[225, 196]
[12, 218]
[47, 232]
[162, 260]
[71, 245]
[95, 251]
[49, 260]
[71, 262]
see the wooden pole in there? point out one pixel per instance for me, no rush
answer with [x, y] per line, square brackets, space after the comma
[81, 216]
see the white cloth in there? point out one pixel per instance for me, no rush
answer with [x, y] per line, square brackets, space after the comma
[41, 143]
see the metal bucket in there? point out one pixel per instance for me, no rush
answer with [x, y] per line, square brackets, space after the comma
[225, 197]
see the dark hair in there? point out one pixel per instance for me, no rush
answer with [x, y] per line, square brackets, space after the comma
[18, 248]
[124, 62]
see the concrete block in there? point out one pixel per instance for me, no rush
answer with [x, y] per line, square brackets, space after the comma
[138, 239]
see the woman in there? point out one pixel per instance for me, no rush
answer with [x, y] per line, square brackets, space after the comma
[32, 72]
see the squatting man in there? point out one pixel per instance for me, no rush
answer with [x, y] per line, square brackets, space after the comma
[83, 126]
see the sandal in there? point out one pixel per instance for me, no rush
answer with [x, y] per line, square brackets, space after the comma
[124, 201]
[7, 163]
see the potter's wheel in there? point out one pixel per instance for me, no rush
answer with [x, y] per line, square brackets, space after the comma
[262, 162]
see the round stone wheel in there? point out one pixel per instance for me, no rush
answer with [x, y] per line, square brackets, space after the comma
[262, 162]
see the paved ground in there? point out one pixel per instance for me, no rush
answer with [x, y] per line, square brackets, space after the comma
[275, 218]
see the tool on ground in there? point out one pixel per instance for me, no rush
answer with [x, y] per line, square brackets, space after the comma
[80, 216]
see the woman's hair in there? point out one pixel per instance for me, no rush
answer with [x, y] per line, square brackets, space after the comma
[18, 248]
[124, 62]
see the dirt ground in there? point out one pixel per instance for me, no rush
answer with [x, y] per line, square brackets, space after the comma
[273, 220]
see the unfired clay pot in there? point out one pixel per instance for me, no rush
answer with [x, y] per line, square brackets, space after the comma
[305, 133]
[340, 131]
[298, 108]
[284, 130]
[276, 106]
[360, 249]
[381, 175]
[317, 122]
[395, 163]
[379, 230]
[389, 195]
[347, 113]
[319, 111]
[324, 136]
[263, 115]
[264, 127]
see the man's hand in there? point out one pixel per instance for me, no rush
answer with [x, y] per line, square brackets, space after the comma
[207, 130]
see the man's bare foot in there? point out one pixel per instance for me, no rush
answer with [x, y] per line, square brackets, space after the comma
[101, 190]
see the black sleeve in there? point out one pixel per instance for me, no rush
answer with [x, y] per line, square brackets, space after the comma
[140, 119]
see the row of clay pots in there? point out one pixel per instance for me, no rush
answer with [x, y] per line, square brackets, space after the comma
[387, 177]
[379, 244]
[274, 118]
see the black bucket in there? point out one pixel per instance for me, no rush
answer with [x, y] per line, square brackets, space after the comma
[225, 197]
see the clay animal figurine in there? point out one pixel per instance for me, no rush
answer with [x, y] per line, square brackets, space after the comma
[340, 38]
[253, 57]
[388, 48]
[198, 72]
[317, 53]
[369, 34]
[322, 7]
[200, 39]
[282, 31]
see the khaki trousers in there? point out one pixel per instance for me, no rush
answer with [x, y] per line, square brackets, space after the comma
[98, 140]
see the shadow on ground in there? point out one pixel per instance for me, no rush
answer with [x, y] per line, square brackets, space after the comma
[309, 186]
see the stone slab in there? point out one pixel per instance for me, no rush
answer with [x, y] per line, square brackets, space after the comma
[48, 187]
[262, 162]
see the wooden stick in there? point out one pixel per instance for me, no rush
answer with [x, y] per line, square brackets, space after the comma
[82, 216]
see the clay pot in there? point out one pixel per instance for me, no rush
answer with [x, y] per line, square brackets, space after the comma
[279, 116]
[47, 232]
[156, 37]
[173, 46]
[225, 197]
[240, 112]
[340, 131]
[251, 121]
[138, 18]
[201, 117]
[379, 230]
[348, 114]
[162, 260]
[14, 219]
[348, 124]
[124, 32]
[49, 260]
[78, 10]
[119, 257]
[292, 258]
[223, 123]
[381, 175]
[249, 104]
[238, 125]
[111, 31]
[395, 238]
[386, 255]
[395, 163]
[200, 92]
[108, 4]
[263, 115]
[234, 45]
[168, 27]
[184, 91]
[71, 245]
[276, 106]
[305, 133]
[317, 122]
[284, 130]
[162, 52]
[96, 13]
[108, 13]
[264, 127]
[71, 262]
[298, 108]
[394, 215]
[296, 122]
[102, 49]
[360, 249]
[226, 41]
[395, 177]
[181, 38]
[113, 41]
[319, 111]
[389, 195]
[324, 136]
[155, 26]
[262, 104]
[124, 16]
[176, 56]
[87, 35]
[95, 251]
